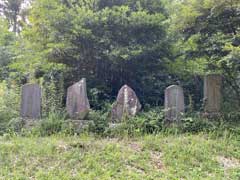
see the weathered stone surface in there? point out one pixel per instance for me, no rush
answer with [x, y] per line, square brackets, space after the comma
[212, 93]
[31, 101]
[174, 103]
[77, 101]
[127, 104]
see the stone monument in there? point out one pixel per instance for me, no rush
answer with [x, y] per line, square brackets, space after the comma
[212, 94]
[77, 101]
[31, 101]
[127, 104]
[174, 103]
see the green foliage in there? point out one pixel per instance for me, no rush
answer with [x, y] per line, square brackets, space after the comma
[15, 125]
[53, 124]
[9, 104]
[106, 42]
[100, 121]
[207, 35]
[147, 44]
[232, 116]
[151, 121]
[197, 124]
[15, 12]
[144, 123]
[7, 53]
[53, 92]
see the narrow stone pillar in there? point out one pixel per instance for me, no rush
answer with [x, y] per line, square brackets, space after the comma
[174, 103]
[212, 94]
[31, 101]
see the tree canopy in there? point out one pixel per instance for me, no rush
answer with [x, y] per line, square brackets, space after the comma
[147, 44]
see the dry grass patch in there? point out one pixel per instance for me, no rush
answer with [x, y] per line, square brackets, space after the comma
[228, 163]
[156, 159]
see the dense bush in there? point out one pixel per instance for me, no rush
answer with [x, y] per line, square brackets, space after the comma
[53, 93]
[100, 121]
[51, 125]
[197, 124]
[9, 104]
[151, 121]
[15, 125]
[232, 116]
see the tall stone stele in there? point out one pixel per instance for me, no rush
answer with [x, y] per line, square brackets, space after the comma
[77, 101]
[31, 101]
[212, 94]
[127, 104]
[174, 103]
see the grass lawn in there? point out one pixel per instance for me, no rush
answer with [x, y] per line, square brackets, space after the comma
[149, 157]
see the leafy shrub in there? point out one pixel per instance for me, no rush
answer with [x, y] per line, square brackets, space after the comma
[151, 121]
[53, 94]
[121, 130]
[9, 104]
[100, 121]
[99, 99]
[194, 123]
[197, 124]
[233, 116]
[16, 124]
[51, 125]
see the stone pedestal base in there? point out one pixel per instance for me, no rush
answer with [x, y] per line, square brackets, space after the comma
[212, 115]
[114, 125]
[77, 125]
[80, 125]
[30, 123]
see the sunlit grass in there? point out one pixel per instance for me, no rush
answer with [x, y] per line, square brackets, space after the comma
[201, 156]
